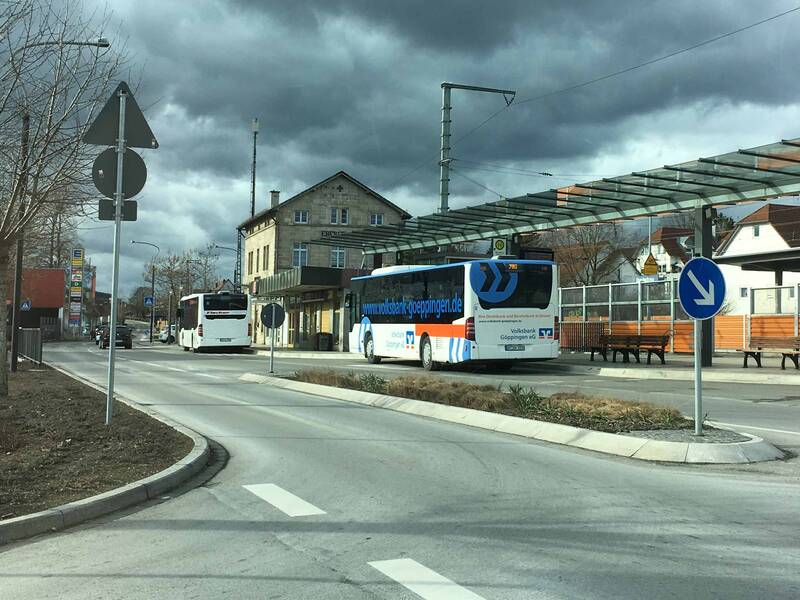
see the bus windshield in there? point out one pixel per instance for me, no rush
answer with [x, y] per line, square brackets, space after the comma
[533, 286]
[224, 302]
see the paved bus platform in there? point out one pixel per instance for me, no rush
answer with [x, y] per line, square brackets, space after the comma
[726, 368]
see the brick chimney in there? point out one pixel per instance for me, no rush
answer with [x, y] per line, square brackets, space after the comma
[274, 197]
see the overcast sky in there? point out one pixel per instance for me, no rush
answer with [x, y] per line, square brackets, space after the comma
[354, 85]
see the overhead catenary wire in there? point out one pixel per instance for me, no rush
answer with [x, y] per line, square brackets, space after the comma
[595, 80]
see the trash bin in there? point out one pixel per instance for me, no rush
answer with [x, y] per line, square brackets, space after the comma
[325, 341]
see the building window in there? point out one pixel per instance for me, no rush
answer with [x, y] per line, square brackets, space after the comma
[337, 257]
[258, 258]
[334, 215]
[743, 292]
[266, 257]
[250, 263]
[376, 219]
[301, 216]
[345, 216]
[300, 255]
[756, 230]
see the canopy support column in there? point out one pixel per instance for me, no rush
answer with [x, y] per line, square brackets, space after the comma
[703, 246]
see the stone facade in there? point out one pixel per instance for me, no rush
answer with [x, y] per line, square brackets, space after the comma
[328, 209]
[276, 232]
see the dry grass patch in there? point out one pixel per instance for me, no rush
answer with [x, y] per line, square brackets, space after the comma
[601, 413]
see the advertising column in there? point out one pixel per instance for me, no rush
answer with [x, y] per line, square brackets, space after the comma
[76, 288]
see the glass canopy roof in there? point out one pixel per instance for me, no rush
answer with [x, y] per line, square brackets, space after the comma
[742, 176]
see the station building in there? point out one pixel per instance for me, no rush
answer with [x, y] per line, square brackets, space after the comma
[310, 281]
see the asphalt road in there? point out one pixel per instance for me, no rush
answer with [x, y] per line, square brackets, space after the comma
[346, 501]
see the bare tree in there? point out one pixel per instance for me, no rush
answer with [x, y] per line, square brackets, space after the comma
[588, 255]
[52, 82]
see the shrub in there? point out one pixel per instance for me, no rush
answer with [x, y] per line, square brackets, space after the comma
[372, 383]
[525, 400]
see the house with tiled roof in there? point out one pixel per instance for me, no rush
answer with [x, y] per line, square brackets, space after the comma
[670, 246]
[771, 228]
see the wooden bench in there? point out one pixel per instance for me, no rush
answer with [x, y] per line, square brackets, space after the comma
[631, 344]
[788, 346]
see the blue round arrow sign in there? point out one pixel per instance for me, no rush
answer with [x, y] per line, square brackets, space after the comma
[701, 288]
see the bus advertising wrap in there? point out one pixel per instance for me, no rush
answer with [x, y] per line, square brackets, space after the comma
[417, 309]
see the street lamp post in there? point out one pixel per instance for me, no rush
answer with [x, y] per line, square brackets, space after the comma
[152, 285]
[23, 184]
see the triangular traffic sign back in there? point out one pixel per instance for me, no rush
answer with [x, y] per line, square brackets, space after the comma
[103, 131]
[650, 265]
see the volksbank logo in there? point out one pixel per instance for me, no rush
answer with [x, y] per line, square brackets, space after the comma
[493, 282]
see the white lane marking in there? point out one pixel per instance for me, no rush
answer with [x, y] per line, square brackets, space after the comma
[175, 369]
[752, 427]
[206, 375]
[422, 581]
[283, 500]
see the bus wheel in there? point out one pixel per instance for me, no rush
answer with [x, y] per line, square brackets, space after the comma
[369, 351]
[426, 353]
[185, 348]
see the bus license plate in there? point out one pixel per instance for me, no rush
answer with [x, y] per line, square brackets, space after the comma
[224, 339]
[515, 347]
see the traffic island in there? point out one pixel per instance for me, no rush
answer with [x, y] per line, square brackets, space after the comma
[56, 451]
[637, 430]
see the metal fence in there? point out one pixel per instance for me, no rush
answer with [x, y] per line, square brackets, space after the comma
[581, 336]
[779, 300]
[30, 344]
[640, 301]
[647, 307]
[51, 329]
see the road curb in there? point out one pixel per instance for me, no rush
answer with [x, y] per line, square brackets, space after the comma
[754, 450]
[149, 488]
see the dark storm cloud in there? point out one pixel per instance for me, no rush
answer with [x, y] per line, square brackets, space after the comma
[354, 85]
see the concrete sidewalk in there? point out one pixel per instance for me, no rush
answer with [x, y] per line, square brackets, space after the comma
[726, 368]
[263, 350]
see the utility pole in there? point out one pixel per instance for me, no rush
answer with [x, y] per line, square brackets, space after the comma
[23, 184]
[444, 151]
[253, 171]
[237, 272]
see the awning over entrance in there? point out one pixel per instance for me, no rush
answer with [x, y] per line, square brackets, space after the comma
[742, 176]
[305, 279]
[778, 261]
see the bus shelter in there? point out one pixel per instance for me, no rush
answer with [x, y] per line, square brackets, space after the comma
[746, 175]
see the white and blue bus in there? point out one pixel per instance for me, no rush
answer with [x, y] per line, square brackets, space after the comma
[218, 320]
[494, 311]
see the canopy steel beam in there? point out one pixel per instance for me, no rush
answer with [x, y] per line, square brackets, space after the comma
[620, 200]
[497, 213]
[713, 174]
[677, 181]
[566, 200]
[600, 189]
[769, 156]
[660, 187]
[636, 185]
[567, 209]
[712, 161]
[790, 143]
[718, 186]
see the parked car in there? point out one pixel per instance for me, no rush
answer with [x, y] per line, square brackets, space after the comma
[167, 337]
[122, 338]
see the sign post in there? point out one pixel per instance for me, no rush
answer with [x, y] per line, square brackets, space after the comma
[701, 291]
[122, 125]
[272, 317]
